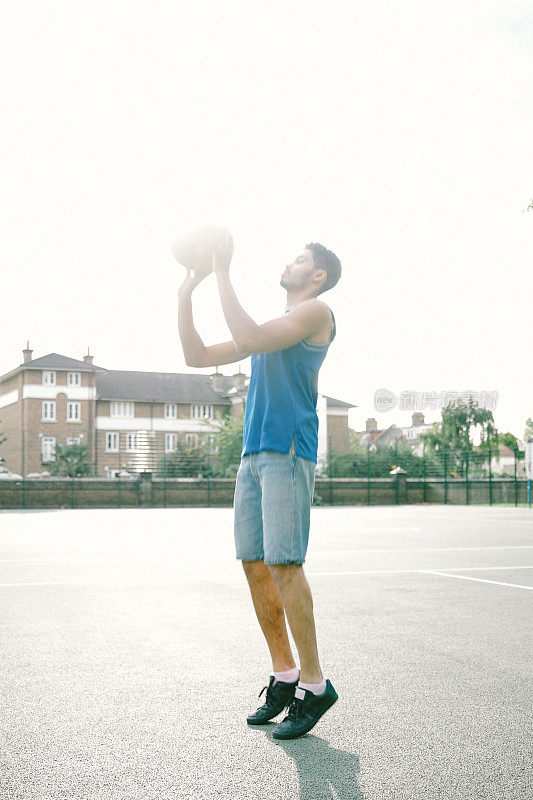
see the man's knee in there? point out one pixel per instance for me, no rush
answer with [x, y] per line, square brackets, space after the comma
[284, 573]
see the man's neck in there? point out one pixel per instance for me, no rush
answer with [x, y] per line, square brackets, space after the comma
[296, 297]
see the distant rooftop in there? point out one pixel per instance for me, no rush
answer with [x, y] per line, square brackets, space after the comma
[57, 361]
[163, 387]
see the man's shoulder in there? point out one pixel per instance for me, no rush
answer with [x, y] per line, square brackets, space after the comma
[314, 306]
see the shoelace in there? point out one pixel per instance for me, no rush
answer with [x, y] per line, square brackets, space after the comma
[295, 706]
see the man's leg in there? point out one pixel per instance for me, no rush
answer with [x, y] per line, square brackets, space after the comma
[269, 609]
[298, 602]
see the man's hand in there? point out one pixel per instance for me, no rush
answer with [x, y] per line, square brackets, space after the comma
[191, 282]
[223, 253]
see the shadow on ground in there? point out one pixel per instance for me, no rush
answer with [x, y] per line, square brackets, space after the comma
[323, 771]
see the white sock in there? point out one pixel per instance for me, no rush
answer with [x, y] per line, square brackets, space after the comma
[316, 688]
[289, 676]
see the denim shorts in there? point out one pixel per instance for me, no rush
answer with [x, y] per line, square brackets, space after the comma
[272, 506]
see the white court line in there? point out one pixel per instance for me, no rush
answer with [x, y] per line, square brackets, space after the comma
[53, 560]
[335, 574]
[402, 530]
[479, 580]
[427, 549]
[412, 571]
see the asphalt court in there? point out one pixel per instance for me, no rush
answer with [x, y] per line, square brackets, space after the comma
[131, 656]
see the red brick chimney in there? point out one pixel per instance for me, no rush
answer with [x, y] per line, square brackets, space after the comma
[371, 424]
[417, 418]
[88, 358]
[27, 352]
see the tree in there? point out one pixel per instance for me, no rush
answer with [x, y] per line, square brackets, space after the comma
[528, 431]
[229, 442]
[509, 440]
[2, 437]
[184, 462]
[72, 460]
[453, 436]
[459, 420]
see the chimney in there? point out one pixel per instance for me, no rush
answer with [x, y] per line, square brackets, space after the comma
[418, 418]
[371, 424]
[27, 352]
[217, 380]
[238, 378]
[88, 358]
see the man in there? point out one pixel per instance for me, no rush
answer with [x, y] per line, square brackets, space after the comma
[275, 482]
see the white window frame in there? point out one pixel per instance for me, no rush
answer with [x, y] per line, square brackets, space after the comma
[121, 408]
[48, 411]
[49, 377]
[73, 378]
[202, 411]
[132, 442]
[46, 451]
[191, 440]
[112, 444]
[171, 442]
[212, 440]
[73, 405]
[73, 440]
[171, 410]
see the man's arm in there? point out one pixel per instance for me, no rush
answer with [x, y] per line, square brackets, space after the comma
[195, 352]
[307, 319]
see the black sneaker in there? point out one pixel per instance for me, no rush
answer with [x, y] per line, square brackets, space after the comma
[278, 696]
[304, 712]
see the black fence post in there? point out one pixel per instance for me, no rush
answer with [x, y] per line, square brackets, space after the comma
[72, 491]
[207, 475]
[368, 471]
[119, 494]
[515, 478]
[164, 478]
[330, 477]
[490, 477]
[445, 478]
[466, 480]
[424, 467]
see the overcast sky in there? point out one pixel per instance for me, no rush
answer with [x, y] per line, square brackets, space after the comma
[397, 134]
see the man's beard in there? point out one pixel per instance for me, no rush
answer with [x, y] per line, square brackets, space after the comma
[282, 283]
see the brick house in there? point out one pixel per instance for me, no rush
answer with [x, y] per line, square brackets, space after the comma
[126, 418]
[387, 436]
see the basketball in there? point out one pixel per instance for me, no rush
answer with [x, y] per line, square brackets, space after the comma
[194, 250]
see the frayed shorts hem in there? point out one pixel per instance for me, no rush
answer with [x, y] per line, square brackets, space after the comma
[270, 562]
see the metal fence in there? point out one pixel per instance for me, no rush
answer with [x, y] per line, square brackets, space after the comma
[203, 476]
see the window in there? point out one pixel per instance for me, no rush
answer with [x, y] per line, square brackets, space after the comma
[73, 440]
[49, 378]
[73, 412]
[48, 449]
[201, 412]
[213, 447]
[191, 439]
[121, 408]
[73, 378]
[111, 442]
[131, 442]
[171, 442]
[171, 410]
[49, 411]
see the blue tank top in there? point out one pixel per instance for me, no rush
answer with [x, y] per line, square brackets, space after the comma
[282, 398]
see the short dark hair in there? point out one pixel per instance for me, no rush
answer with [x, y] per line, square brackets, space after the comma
[327, 260]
